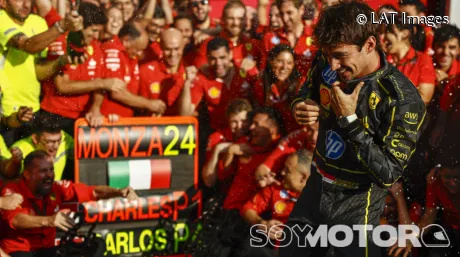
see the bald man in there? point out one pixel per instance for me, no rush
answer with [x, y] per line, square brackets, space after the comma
[164, 79]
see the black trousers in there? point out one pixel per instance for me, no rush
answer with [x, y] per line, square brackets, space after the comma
[322, 203]
[48, 252]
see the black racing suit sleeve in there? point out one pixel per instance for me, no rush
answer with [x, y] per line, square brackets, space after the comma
[386, 161]
[307, 91]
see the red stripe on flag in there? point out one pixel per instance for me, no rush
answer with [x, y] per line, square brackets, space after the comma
[161, 174]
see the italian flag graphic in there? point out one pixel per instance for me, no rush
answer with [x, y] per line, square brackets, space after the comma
[140, 174]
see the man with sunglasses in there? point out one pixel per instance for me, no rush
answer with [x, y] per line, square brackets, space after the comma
[48, 136]
[246, 51]
[200, 13]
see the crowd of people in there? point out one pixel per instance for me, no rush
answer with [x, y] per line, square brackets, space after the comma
[238, 75]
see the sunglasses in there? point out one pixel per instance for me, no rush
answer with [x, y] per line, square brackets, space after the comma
[197, 3]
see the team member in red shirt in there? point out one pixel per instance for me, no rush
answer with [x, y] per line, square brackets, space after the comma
[114, 22]
[31, 227]
[446, 51]
[216, 85]
[304, 138]
[184, 24]
[233, 26]
[241, 160]
[275, 22]
[294, 33]
[279, 84]
[163, 80]
[200, 15]
[154, 29]
[417, 8]
[237, 115]
[279, 199]
[66, 96]
[120, 61]
[401, 41]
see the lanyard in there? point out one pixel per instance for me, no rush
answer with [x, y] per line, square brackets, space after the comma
[40, 212]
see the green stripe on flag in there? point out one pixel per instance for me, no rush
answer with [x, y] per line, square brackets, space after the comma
[118, 174]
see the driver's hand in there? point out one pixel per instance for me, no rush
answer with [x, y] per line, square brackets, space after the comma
[62, 220]
[129, 193]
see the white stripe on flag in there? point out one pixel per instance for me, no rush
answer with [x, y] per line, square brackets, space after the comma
[139, 174]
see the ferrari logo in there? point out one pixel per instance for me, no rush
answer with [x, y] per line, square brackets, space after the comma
[374, 99]
[155, 88]
[90, 50]
[214, 92]
[309, 41]
[280, 207]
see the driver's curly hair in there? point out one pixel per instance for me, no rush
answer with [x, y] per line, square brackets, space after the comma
[338, 25]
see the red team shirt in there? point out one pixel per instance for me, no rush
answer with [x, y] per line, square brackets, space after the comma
[217, 95]
[276, 199]
[437, 196]
[294, 141]
[245, 48]
[304, 49]
[57, 48]
[157, 83]
[152, 53]
[244, 185]
[418, 67]
[451, 95]
[118, 64]
[33, 239]
[220, 136]
[75, 105]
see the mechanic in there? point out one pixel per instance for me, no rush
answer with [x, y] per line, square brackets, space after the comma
[31, 228]
[369, 125]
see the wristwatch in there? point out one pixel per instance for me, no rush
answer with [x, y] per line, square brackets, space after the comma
[344, 121]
